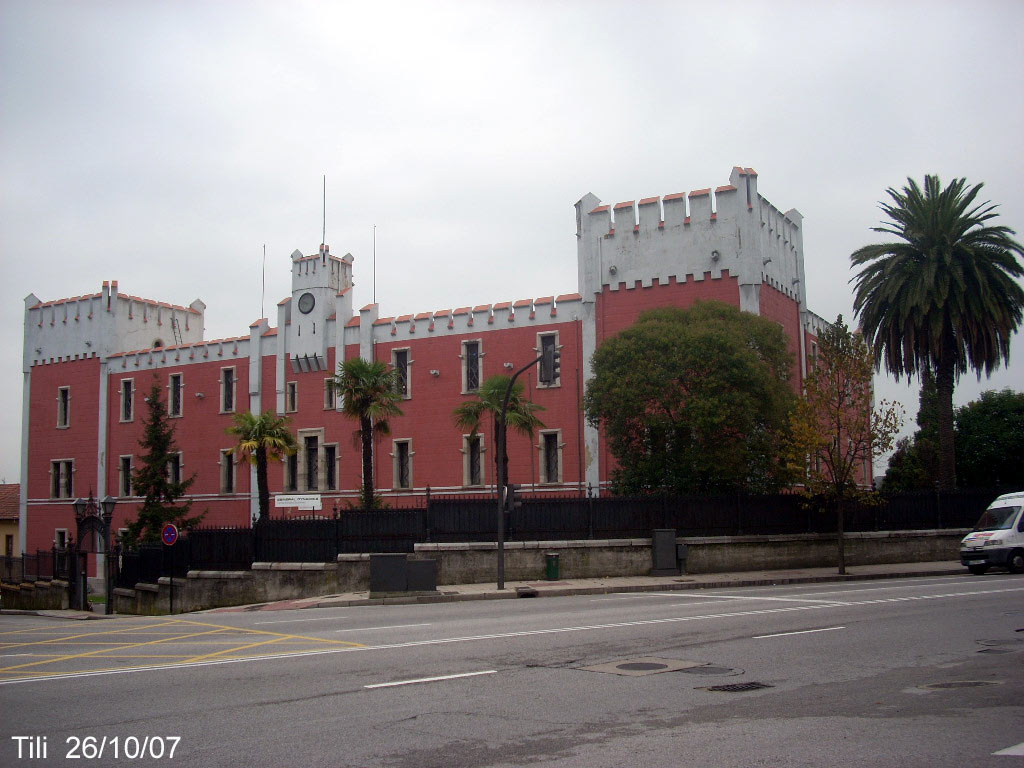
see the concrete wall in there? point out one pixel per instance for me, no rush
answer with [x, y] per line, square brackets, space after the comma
[36, 596]
[526, 561]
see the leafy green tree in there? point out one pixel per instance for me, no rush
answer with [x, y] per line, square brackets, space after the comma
[370, 394]
[836, 430]
[914, 465]
[988, 440]
[158, 480]
[261, 439]
[694, 400]
[943, 296]
[521, 414]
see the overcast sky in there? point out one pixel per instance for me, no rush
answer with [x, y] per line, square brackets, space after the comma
[163, 144]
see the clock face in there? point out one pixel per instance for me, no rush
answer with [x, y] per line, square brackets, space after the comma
[306, 303]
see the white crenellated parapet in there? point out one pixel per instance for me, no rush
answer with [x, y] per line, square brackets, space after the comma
[104, 324]
[688, 236]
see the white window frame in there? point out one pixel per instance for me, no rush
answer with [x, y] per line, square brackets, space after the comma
[330, 467]
[58, 534]
[540, 349]
[127, 401]
[291, 397]
[227, 472]
[234, 389]
[407, 373]
[291, 468]
[176, 462]
[395, 474]
[541, 456]
[64, 483]
[121, 480]
[330, 395]
[464, 357]
[63, 407]
[170, 395]
[302, 481]
[467, 460]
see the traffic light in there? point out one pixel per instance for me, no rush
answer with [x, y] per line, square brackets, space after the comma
[550, 364]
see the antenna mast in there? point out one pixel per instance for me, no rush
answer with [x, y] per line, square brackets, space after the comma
[263, 290]
[374, 263]
[323, 232]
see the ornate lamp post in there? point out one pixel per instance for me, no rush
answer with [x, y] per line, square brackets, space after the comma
[96, 518]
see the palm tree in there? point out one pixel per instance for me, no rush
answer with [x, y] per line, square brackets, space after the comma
[369, 392]
[260, 439]
[943, 297]
[520, 414]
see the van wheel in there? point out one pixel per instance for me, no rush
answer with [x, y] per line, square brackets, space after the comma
[1016, 561]
[977, 570]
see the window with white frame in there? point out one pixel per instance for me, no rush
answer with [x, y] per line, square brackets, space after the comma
[473, 459]
[60, 538]
[550, 447]
[62, 479]
[401, 361]
[124, 475]
[291, 397]
[291, 472]
[227, 471]
[227, 390]
[127, 399]
[63, 407]
[402, 460]
[547, 343]
[175, 466]
[311, 462]
[330, 395]
[175, 394]
[472, 352]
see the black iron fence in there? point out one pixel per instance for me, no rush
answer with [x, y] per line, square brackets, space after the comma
[43, 565]
[461, 519]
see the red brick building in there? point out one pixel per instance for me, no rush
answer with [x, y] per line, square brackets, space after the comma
[89, 361]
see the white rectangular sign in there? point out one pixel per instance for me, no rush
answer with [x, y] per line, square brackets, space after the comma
[309, 501]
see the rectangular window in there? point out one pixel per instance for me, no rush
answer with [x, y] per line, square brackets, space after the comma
[291, 397]
[400, 361]
[127, 399]
[124, 481]
[547, 346]
[174, 395]
[311, 454]
[291, 473]
[550, 457]
[227, 472]
[227, 390]
[471, 355]
[330, 397]
[63, 407]
[403, 463]
[60, 538]
[62, 473]
[473, 450]
[8, 545]
[174, 468]
[330, 467]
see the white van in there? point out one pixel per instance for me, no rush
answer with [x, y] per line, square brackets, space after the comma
[998, 538]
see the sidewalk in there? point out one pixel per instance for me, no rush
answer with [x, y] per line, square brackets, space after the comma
[515, 589]
[523, 589]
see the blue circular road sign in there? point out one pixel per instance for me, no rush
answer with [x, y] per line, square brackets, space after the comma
[169, 534]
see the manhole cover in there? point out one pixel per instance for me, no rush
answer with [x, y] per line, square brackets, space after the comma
[709, 670]
[645, 665]
[738, 687]
[639, 666]
[960, 684]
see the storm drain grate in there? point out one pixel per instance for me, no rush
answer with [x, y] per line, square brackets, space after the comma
[738, 687]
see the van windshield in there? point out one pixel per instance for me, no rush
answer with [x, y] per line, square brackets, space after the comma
[997, 519]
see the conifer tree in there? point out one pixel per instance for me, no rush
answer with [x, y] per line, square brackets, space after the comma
[154, 481]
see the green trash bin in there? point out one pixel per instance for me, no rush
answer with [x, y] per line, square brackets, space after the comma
[550, 566]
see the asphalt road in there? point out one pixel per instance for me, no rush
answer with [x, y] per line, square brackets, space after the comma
[917, 672]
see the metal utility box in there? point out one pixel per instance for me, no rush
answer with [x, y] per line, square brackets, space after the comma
[663, 553]
[422, 575]
[388, 573]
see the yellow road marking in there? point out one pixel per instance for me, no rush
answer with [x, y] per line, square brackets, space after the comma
[233, 650]
[87, 634]
[329, 641]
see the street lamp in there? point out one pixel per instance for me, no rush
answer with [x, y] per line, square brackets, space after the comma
[97, 517]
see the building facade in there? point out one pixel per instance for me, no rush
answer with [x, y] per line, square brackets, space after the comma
[89, 362]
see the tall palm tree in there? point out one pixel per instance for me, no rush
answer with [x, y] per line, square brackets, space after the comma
[520, 414]
[260, 439]
[370, 394]
[943, 297]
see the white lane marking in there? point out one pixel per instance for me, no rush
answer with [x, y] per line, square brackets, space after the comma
[432, 679]
[1017, 750]
[958, 580]
[503, 635]
[371, 629]
[8, 655]
[295, 621]
[801, 632]
[773, 599]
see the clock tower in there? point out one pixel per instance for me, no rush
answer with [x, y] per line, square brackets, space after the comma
[316, 282]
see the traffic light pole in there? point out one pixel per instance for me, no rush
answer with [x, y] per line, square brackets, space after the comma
[504, 494]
